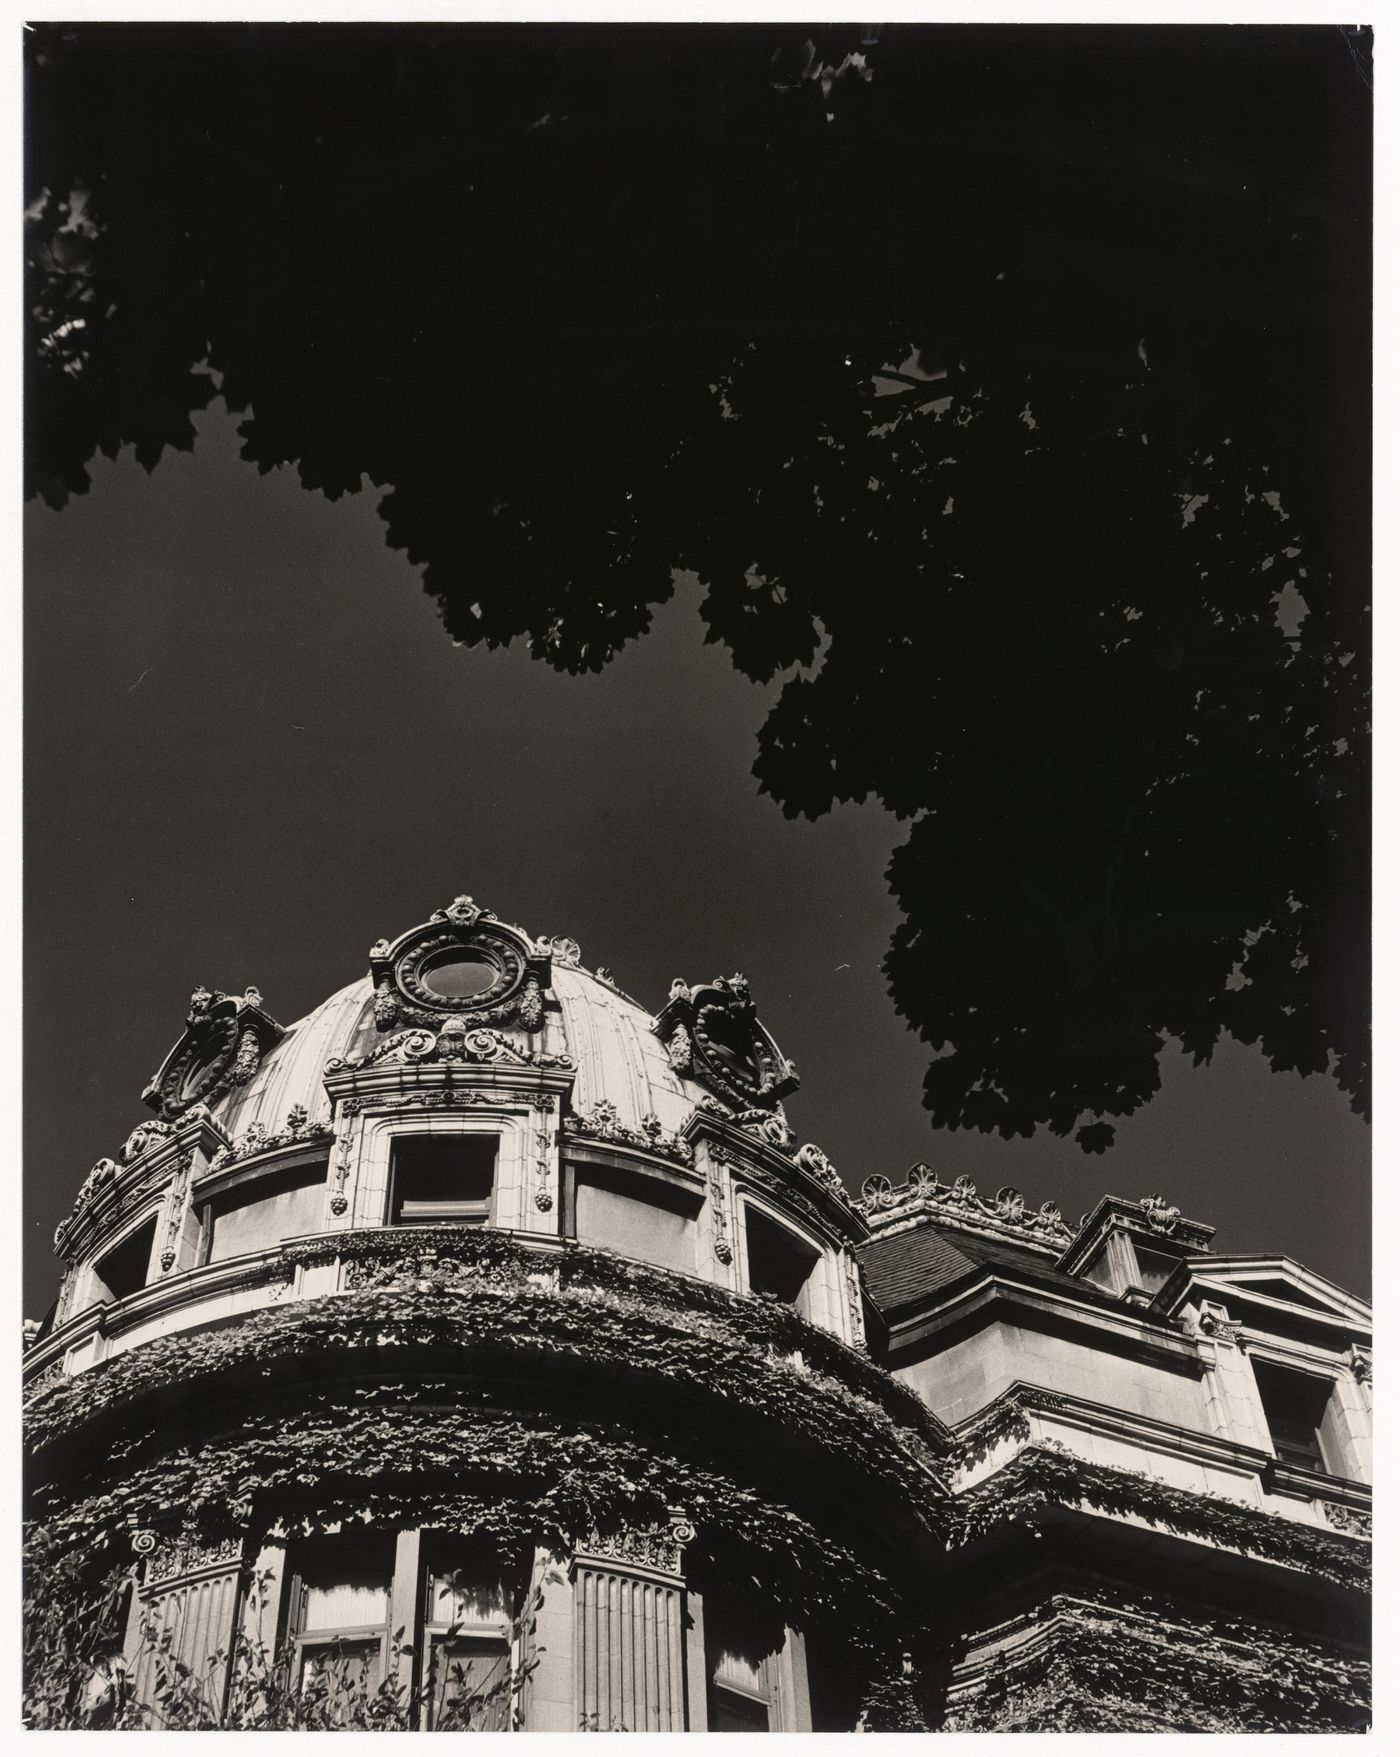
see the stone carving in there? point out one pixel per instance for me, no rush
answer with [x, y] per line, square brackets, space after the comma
[1351, 1520]
[853, 1299]
[341, 1176]
[784, 1192]
[603, 1123]
[386, 1002]
[680, 1052]
[816, 1164]
[178, 1201]
[462, 912]
[769, 1125]
[724, 1046]
[1159, 1215]
[1217, 1323]
[424, 1268]
[256, 1139]
[186, 1555]
[718, 1204]
[44, 1382]
[446, 1100]
[104, 1173]
[561, 951]
[451, 1042]
[145, 1136]
[246, 1058]
[1360, 1362]
[544, 1139]
[531, 1005]
[660, 1548]
[514, 968]
[883, 1203]
[225, 1039]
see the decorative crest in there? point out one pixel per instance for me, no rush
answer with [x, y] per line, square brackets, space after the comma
[922, 1193]
[712, 1035]
[256, 1139]
[1159, 1215]
[463, 912]
[451, 1042]
[461, 963]
[603, 1122]
[225, 1039]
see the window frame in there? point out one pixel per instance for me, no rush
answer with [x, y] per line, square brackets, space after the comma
[474, 1213]
[304, 1641]
[1324, 1383]
[101, 1291]
[804, 1304]
[215, 1191]
[682, 1196]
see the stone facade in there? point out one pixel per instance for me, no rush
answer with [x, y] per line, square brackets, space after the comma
[485, 1351]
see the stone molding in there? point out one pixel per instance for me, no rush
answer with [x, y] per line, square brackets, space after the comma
[256, 1139]
[603, 1122]
[451, 1042]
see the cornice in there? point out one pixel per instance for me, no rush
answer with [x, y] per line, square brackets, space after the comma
[1152, 1219]
[997, 1286]
[803, 1173]
[111, 1191]
[923, 1197]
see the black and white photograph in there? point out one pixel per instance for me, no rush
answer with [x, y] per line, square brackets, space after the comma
[696, 876]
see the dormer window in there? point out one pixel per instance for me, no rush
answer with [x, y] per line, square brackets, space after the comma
[442, 1180]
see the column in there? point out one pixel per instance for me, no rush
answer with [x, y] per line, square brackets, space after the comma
[188, 1610]
[629, 1637]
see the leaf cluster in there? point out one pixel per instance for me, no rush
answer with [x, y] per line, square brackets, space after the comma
[1040, 473]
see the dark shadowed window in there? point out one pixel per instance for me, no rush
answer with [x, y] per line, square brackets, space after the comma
[441, 1180]
[458, 975]
[1295, 1407]
[779, 1262]
[123, 1270]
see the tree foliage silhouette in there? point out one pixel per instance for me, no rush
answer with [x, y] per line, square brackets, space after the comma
[1006, 389]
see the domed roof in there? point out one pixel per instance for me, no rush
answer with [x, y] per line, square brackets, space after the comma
[609, 1037]
[465, 970]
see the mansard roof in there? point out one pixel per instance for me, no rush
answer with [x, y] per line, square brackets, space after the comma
[912, 1267]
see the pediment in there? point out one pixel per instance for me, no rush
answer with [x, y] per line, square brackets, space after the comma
[1288, 1283]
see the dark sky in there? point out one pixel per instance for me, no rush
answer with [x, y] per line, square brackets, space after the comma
[252, 751]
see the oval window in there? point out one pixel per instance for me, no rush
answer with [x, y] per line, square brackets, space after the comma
[731, 1045]
[458, 975]
[204, 1067]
